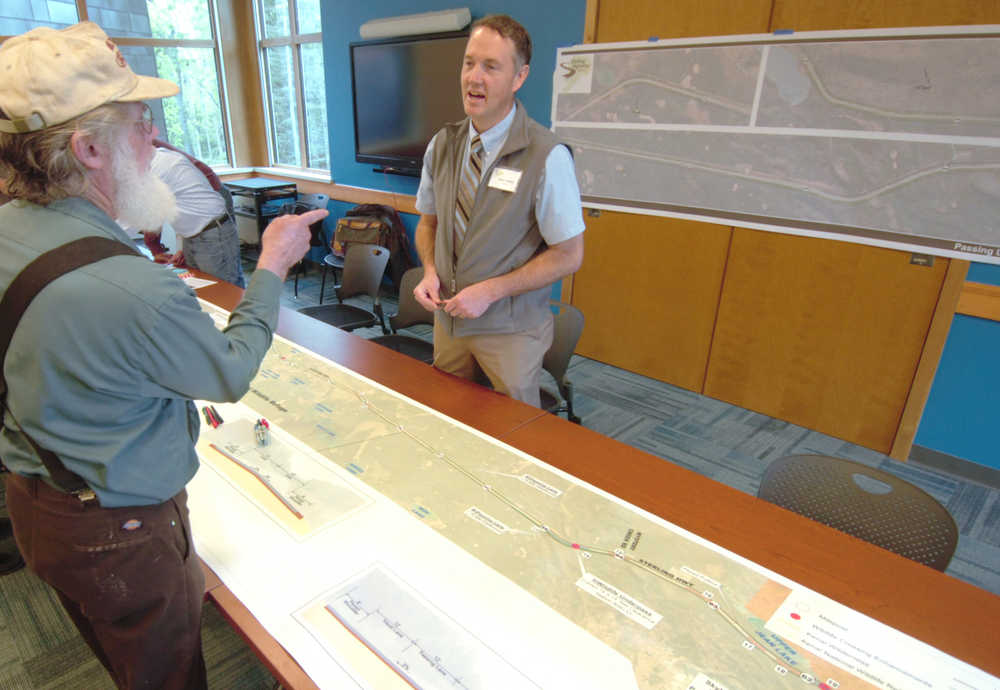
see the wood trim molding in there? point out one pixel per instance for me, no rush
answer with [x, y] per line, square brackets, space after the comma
[937, 334]
[404, 203]
[239, 54]
[566, 289]
[980, 299]
[590, 21]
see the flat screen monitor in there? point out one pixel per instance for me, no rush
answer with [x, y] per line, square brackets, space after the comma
[404, 90]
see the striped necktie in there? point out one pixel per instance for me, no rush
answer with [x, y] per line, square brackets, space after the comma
[471, 173]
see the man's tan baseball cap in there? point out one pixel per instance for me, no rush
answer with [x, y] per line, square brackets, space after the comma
[50, 76]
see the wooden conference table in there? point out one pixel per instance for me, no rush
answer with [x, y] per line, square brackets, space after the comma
[946, 613]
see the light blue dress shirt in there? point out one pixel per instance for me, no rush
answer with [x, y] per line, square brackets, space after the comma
[557, 199]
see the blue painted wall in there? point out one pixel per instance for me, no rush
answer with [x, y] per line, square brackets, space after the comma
[552, 23]
[962, 416]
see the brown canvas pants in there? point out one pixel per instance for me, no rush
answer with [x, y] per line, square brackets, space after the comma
[128, 578]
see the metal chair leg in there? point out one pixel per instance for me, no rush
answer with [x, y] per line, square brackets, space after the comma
[569, 405]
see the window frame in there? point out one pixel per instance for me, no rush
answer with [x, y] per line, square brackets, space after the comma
[215, 43]
[295, 41]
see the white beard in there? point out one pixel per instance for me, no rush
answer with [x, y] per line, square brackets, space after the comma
[143, 200]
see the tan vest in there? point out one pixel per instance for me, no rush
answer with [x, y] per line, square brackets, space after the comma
[502, 232]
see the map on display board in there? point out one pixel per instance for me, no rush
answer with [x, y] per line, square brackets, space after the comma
[884, 137]
[430, 555]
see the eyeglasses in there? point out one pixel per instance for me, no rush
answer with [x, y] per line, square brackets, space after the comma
[146, 119]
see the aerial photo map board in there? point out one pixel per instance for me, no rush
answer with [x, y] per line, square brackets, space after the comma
[385, 545]
[884, 137]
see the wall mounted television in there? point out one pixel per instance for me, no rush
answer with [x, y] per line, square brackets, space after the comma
[404, 90]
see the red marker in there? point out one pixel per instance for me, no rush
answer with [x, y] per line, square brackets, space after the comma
[262, 431]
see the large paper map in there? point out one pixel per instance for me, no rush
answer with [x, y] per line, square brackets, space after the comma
[437, 557]
[890, 139]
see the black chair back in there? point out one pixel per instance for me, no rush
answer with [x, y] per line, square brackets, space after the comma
[866, 503]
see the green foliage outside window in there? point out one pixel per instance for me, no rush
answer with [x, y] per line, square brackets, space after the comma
[179, 19]
[281, 80]
[293, 73]
[194, 119]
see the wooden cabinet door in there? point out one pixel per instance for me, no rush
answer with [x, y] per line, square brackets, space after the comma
[820, 15]
[823, 334]
[639, 20]
[649, 288]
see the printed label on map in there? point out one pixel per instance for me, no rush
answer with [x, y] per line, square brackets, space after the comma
[546, 489]
[485, 520]
[576, 74]
[856, 644]
[703, 682]
[704, 578]
[618, 600]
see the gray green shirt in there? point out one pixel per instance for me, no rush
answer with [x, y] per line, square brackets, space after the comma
[106, 360]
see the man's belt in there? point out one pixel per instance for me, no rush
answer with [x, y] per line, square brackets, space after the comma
[215, 221]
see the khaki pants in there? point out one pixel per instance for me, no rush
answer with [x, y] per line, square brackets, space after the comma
[512, 362]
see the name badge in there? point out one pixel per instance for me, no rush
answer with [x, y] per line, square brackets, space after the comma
[505, 179]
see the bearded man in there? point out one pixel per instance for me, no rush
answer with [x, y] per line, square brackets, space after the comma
[105, 361]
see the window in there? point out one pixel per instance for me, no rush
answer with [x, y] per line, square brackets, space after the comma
[172, 39]
[291, 58]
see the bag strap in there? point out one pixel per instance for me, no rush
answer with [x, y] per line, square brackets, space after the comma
[19, 295]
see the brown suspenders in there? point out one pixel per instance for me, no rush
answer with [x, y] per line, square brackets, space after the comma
[21, 291]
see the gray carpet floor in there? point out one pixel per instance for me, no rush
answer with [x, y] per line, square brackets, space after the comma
[39, 648]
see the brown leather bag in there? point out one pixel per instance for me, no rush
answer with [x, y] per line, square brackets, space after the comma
[376, 224]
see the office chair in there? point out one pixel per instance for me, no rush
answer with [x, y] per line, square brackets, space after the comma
[566, 334]
[364, 266]
[410, 313]
[866, 503]
[309, 202]
[335, 262]
[366, 229]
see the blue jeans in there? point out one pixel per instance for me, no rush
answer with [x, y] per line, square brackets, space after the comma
[216, 250]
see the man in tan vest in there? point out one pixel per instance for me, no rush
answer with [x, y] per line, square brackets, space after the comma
[500, 221]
